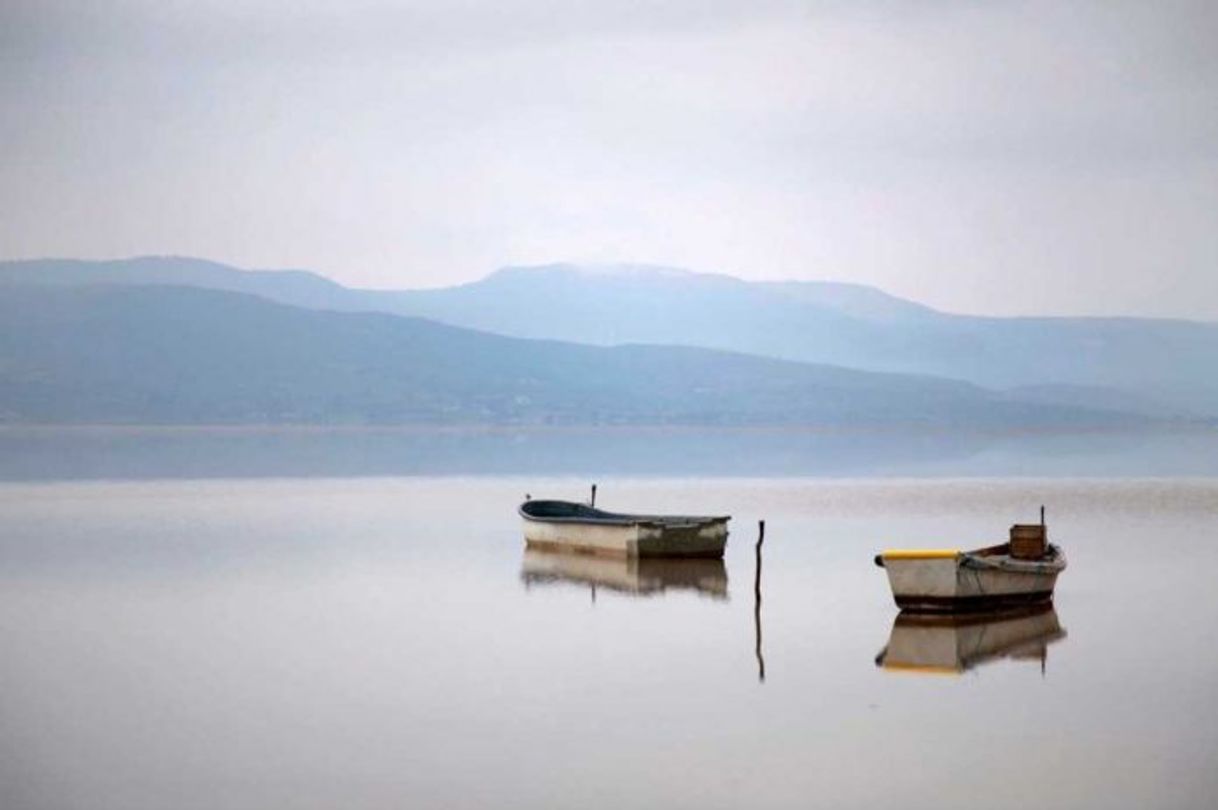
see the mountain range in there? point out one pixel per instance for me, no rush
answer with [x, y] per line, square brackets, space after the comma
[186, 340]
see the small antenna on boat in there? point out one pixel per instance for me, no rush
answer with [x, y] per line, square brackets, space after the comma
[593, 502]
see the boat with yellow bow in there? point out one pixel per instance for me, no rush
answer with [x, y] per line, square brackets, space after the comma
[1019, 573]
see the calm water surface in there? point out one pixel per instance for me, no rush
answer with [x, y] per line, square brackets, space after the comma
[387, 643]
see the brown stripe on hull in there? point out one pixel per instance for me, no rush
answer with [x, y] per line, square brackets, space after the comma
[971, 618]
[969, 604]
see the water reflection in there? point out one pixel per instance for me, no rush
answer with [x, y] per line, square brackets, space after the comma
[924, 643]
[634, 577]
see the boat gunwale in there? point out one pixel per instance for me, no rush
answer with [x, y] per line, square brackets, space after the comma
[603, 518]
[991, 557]
[999, 558]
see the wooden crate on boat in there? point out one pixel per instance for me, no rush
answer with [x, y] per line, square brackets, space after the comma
[1028, 541]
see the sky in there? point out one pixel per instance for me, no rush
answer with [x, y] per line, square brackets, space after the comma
[987, 157]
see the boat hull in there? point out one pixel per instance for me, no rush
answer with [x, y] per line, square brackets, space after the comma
[643, 539]
[964, 582]
[566, 526]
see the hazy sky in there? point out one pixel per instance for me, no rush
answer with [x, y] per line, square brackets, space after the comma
[1001, 157]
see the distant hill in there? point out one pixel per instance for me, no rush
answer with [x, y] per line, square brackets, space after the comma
[1169, 366]
[162, 354]
[298, 287]
[1154, 366]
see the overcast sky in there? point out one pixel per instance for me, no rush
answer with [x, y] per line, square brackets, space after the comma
[1002, 157]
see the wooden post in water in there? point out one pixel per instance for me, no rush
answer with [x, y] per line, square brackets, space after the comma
[757, 577]
[757, 601]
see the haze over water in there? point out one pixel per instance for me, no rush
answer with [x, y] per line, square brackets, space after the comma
[295, 308]
[386, 642]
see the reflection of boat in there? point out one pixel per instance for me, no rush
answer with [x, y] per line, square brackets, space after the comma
[631, 575]
[953, 644]
[565, 525]
[1019, 573]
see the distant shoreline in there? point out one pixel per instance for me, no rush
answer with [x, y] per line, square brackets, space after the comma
[134, 452]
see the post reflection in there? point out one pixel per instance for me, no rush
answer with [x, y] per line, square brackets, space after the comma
[630, 576]
[757, 603]
[953, 644]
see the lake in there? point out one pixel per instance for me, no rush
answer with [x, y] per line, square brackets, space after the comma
[387, 642]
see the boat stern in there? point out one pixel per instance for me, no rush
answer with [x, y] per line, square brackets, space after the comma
[698, 539]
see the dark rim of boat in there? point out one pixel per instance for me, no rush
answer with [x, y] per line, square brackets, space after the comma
[550, 511]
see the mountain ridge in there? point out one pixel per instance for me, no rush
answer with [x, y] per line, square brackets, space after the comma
[158, 265]
[164, 354]
[1170, 364]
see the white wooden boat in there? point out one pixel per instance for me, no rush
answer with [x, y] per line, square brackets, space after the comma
[1020, 573]
[564, 525]
[634, 576]
[952, 644]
